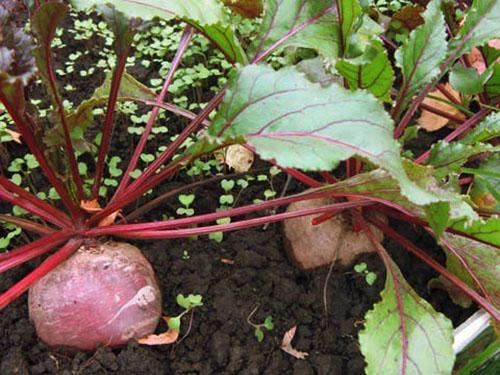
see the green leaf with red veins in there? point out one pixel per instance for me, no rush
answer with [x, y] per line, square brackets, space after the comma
[282, 16]
[486, 230]
[350, 18]
[17, 65]
[482, 24]
[485, 190]
[403, 334]
[376, 75]
[422, 53]
[300, 124]
[488, 129]
[466, 80]
[482, 260]
[207, 16]
[448, 158]
[438, 216]
[380, 185]
[492, 86]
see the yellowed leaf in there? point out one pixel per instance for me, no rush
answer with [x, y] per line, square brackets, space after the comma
[431, 121]
[286, 344]
[239, 158]
[485, 201]
[165, 338]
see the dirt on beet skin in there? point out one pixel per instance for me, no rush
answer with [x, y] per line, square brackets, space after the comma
[246, 270]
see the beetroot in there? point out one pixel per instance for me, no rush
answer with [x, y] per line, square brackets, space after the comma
[104, 294]
[310, 246]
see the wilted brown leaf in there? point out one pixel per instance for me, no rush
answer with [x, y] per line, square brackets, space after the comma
[410, 16]
[92, 206]
[165, 338]
[247, 8]
[286, 344]
[476, 57]
[431, 121]
[16, 137]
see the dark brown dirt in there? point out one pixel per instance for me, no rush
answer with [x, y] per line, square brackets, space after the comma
[220, 340]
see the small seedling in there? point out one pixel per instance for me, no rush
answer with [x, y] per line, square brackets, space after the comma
[259, 328]
[185, 255]
[188, 304]
[227, 198]
[186, 201]
[370, 277]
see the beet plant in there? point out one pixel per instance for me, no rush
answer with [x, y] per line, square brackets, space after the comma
[326, 90]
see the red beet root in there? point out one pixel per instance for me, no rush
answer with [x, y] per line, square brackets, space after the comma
[106, 294]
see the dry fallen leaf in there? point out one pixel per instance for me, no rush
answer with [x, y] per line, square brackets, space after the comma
[226, 261]
[16, 137]
[476, 57]
[239, 158]
[92, 206]
[431, 121]
[164, 338]
[286, 344]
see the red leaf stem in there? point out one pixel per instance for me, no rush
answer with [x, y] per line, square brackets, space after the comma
[22, 122]
[17, 195]
[33, 250]
[108, 121]
[464, 264]
[26, 224]
[466, 125]
[205, 218]
[176, 233]
[185, 39]
[449, 116]
[68, 143]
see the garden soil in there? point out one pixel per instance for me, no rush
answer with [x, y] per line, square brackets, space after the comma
[248, 269]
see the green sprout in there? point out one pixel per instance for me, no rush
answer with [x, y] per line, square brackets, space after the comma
[370, 277]
[188, 304]
[259, 329]
[186, 200]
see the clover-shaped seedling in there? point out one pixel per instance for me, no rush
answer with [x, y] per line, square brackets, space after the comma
[227, 198]
[268, 324]
[370, 277]
[188, 304]
[186, 200]
[260, 328]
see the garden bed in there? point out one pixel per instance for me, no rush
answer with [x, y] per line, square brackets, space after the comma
[247, 275]
[220, 340]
